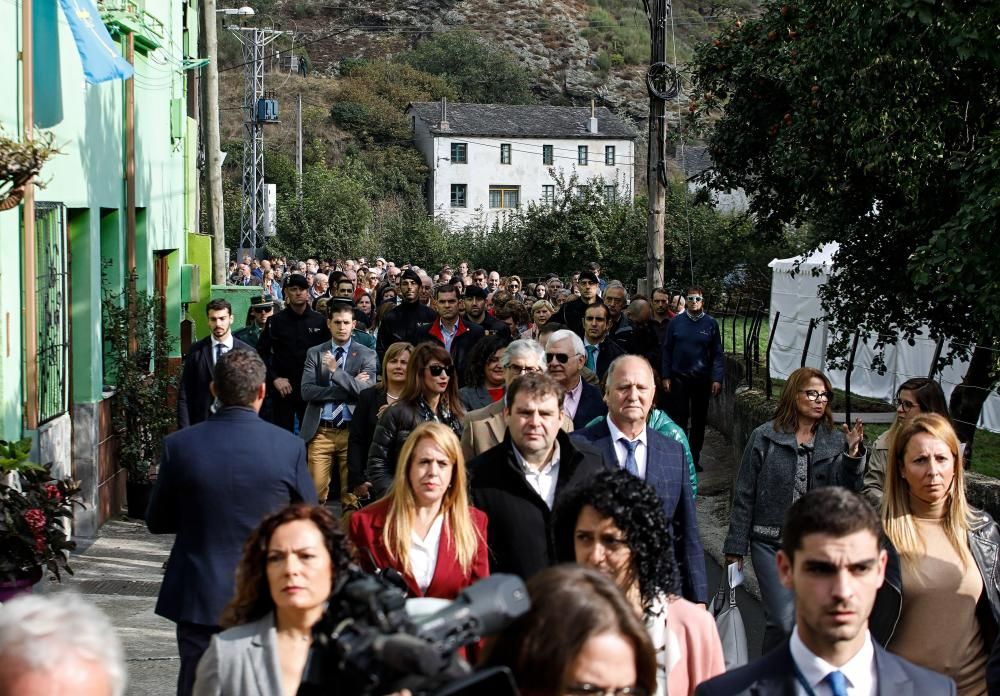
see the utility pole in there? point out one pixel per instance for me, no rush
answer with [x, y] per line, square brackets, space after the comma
[298, 153]
[213, 146]
[252, 211]
[662, 84]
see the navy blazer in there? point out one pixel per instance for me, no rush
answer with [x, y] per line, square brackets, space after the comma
[216, 481]
[774, 675]
[667, 474]
[194, 400]
[590, 407]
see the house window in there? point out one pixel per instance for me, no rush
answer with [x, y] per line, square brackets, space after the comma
[581, 155]
[459, 195]
[53, 321]
[609, 155]
[459, 153]
[547, 154]
[548, 194]
[609, 193]
[505, 196]
[504, 153]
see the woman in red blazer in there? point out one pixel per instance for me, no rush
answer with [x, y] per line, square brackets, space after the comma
[424, 527]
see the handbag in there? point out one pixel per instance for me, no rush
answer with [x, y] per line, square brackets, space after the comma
[729, 622]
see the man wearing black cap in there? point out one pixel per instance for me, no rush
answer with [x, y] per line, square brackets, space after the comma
[261, 309]
[475, 312]
[571, 313]
[404, 322]
[283, 344]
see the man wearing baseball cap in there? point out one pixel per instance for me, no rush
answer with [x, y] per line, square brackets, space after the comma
[405, 321]
[571, 313]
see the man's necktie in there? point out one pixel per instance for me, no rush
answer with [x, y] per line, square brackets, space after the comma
[340, 412]
[592, 357]
[219, 350]
[631, 465]
[837, 682]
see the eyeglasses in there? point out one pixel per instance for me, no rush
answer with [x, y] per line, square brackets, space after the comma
[563, 358]
[594, 690]
[695, 298]
[814, 395]
[903, 404]
[523, 369]
[437, 370]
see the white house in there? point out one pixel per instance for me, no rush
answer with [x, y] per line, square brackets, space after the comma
[487, 158]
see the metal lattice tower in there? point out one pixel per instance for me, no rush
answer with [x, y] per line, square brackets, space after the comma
[253, 41]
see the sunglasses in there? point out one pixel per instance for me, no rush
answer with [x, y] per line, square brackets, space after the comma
[437, 370]
[563, 358]
[694, 298]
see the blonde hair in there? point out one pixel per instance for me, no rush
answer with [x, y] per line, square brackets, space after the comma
[455, 505]
[897, 515]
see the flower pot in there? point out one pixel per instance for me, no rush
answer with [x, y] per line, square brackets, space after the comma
[137, 498]
[21, 586]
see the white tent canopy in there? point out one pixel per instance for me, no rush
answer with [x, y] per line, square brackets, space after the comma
[796, 296]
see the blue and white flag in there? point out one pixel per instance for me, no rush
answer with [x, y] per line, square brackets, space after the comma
[98, 52]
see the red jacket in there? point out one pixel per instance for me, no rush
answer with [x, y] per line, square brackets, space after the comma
[366, 532]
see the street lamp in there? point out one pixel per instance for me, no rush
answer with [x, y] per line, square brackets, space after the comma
[244, 11]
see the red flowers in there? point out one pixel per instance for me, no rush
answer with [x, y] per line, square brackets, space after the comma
[53, 492]
[36, 522]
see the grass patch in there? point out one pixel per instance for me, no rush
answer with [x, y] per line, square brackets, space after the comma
[986, 448]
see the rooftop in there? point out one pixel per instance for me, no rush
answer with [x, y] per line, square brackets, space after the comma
[506, 121]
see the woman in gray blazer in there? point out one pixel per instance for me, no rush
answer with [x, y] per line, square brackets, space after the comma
[295, 554]
[484, 377]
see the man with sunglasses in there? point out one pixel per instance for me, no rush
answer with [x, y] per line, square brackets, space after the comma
[692, 368]
[571, 313]
[261, 309]
[565, 356]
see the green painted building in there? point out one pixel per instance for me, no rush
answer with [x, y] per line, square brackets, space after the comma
[82, 220]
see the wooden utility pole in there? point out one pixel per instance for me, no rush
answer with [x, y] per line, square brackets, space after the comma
[298, 153]
[29, 272]
[213, 145]
[657, 11]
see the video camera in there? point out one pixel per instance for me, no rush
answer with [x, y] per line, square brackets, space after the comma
[366, 643]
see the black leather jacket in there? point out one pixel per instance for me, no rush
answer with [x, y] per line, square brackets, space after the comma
[984, 543]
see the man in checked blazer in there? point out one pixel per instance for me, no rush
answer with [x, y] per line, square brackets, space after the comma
[626, 441]
[335, 373]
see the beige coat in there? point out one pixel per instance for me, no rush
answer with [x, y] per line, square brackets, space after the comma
[485, 428]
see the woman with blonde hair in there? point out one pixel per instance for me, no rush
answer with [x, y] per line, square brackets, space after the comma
[424, 528]
[945, 614]
[800, 449]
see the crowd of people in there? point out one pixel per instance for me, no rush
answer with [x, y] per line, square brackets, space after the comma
[441, 428]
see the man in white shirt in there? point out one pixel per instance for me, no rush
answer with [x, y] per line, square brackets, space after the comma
[565, 356]
[831, 558]
[518, 482]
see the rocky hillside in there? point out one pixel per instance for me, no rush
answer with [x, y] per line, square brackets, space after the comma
[577, 50]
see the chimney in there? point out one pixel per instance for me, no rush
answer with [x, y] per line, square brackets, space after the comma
[593, 118]
[443, 123]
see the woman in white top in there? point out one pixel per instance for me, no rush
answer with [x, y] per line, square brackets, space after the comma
[424, 528]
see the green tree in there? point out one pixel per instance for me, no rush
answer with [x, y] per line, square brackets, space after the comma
[876, 123]
[479, 71]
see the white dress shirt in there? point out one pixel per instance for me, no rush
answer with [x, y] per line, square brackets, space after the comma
[543, 480]
[622, 451]
[859, 670]
[228, 343]
[571, 401]
[424, 553]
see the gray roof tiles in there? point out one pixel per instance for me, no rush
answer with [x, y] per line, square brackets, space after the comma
[505, 121]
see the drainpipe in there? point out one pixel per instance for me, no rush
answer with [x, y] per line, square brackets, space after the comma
[130, 262]
[28, 220]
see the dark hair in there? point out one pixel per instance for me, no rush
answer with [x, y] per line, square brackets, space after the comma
[339, 307]
[537, 384]
[444, 288]
[479, 357]
[636, 510]
[569, 605]
[237, 377]
[832, 510]
[601, 305]
[252, 599]
[694, 288]
[930, 398]
[420, 358]
[660, 290]
[218, 304]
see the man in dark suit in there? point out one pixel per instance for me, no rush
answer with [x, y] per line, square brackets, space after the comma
[334, 375]
[517, 482]
[216, 480]
[831, 559]
[599, 350]
[194, 400]
[565, 356]
[627, 442]
[449, 330]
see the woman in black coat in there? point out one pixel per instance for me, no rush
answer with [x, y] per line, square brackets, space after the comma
[484, 379]
[372, 402]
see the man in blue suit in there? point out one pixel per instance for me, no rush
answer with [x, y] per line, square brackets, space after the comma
[831, 559]
[216, 480]
[627, 442]
[565, 357]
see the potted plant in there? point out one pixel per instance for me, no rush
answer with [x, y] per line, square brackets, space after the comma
[142, 409]
[34, 510]
[20, 162]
